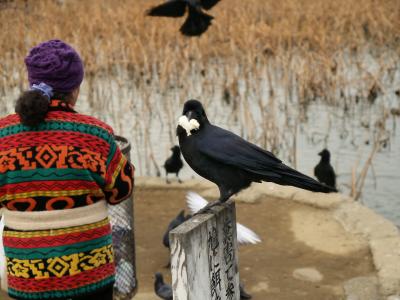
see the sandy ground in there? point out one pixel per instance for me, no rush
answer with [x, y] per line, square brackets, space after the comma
[293, 236]
[265, 269]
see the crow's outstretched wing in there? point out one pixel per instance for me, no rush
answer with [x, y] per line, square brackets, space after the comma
[228, 148]
[172, 9]
[208, 4]
[196, 23]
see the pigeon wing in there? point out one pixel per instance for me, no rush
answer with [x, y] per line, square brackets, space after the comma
[244, 235]
[195, 202]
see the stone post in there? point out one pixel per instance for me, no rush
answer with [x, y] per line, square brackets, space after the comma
[204, 259]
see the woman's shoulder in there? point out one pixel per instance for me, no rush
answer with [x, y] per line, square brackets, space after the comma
[9, 120]
[79, 118]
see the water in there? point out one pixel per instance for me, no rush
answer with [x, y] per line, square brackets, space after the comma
[148, 118]
[147, 113]
[349, 149]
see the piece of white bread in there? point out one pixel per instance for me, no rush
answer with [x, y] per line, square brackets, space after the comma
[244, 235]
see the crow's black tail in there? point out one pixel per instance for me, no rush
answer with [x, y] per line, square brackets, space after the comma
[196, 23]
[172, 9]
[289, 176]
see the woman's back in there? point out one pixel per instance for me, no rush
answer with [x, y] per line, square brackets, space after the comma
[64, 162]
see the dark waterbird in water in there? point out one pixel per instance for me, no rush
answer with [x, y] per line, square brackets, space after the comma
[324, 171]
[162, 290]
[197, 21]
[229, 161]
[174, 163]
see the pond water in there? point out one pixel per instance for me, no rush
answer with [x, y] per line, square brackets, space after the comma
[146, 114]
[348, 135]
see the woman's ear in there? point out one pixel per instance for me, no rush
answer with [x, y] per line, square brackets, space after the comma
[74, 96]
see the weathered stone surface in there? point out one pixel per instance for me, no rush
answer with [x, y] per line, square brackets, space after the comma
[317, 229]
[361, 220]
[362, 288]
[386, 255]
[204, 259]
[160, 182]
[320, 200]
[308, 274]
[393, 297]
[259, 287]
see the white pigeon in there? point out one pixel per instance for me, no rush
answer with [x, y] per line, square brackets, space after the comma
[244, 235]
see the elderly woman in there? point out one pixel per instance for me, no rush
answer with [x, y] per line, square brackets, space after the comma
[58, 171]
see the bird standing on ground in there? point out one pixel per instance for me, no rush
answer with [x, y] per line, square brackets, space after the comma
[178, 220]
[324, 170]
[243, 293]
[174, 163]
[162, 290]
[229, 161]
[197, 21]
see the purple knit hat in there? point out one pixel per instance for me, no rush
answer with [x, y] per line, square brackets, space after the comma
[55, 63]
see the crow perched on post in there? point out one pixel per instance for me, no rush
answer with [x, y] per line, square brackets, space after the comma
[197, 21]
[162, 290]
[324, 171]
[174, 163]
[229, 161]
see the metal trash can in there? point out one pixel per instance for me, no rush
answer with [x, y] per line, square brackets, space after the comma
[121, 217]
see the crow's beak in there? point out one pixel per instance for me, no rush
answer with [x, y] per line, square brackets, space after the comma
[320, 154]
[189, 115]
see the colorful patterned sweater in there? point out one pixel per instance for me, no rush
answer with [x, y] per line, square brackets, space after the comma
[54, 179]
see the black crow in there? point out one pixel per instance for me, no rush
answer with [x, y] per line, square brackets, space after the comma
[174, 163]
[164, 291]
[229, 161]
[324, 171]
[197, 21]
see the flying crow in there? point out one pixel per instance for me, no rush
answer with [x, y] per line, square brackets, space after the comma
[174, 163]
[229, 161]
[197, 21]
[324, 171]
[163, 290]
